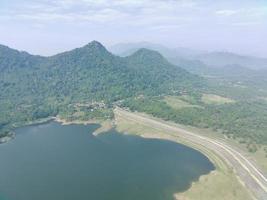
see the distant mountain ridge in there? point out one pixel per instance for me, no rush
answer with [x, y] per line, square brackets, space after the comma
[221, 59]
[125, 49]
[210, 59]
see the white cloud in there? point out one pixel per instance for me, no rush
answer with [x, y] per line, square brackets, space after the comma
[244, 12]
[246, 23]
[130, 12]
[227, 12]
[182, 21]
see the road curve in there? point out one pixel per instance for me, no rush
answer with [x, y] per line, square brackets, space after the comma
[248, 173]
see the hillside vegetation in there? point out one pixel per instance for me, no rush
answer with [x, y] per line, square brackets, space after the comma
[34, 87]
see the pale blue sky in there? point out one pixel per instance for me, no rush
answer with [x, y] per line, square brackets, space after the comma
[49, 26]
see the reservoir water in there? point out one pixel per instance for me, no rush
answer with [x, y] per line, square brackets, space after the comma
[55, 162]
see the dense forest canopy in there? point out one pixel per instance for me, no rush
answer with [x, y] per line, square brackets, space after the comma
[34, 87]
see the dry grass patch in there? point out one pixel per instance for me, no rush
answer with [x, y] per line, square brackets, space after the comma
[215, 99]
[217, 185]
[177, 103]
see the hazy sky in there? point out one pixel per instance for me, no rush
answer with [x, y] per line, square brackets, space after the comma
[50, 26]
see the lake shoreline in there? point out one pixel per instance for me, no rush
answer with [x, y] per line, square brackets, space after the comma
[42, 141]
[8, 137]
[12, 134]
[109, 124]
[178, 196]
[105, 126]
[222, 176]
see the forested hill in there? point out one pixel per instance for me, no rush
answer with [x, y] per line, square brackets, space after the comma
[34, 87]
[10, 59]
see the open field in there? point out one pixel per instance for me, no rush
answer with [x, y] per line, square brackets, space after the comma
[238, 167]
[217, 185]
[176, 102]
[215, 99]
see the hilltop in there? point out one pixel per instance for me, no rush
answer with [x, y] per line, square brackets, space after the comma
[34, 87]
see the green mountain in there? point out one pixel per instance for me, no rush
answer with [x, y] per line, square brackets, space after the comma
[10, 58]
[34, 87]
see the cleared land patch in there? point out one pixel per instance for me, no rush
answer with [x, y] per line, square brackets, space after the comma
[217, 185]
[215, 99]
[177, 103]
[264, 98]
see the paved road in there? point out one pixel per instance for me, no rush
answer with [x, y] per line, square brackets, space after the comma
[248, 173]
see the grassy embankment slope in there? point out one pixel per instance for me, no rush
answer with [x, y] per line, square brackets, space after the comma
[258, 156]
[242, 123]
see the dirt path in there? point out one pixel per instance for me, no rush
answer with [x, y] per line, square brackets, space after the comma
[247, 172]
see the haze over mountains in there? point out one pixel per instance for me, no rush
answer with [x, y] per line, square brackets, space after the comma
[202, 60]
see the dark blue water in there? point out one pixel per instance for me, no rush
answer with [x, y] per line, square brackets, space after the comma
[55, 162]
